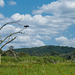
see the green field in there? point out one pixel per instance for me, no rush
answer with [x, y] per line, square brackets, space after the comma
[36, 66]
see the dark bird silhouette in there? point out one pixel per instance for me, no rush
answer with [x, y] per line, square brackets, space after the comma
[26, 26]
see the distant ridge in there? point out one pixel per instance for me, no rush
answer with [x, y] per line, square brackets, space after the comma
[46, 49]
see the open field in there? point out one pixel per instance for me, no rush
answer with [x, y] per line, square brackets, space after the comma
[35, 66]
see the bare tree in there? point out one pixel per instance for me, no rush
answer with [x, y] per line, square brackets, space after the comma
[10, 35]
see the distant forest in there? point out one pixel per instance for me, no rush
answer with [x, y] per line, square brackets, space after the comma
[46, 50]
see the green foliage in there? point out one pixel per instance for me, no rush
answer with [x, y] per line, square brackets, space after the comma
[70, 55]
[40, 51]
[73, 55]
[54, 53]
[9, 59]
[22, 54]
[31, 66]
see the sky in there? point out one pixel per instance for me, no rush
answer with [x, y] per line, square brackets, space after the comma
[51, 22]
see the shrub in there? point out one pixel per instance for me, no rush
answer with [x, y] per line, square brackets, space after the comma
[23, 54]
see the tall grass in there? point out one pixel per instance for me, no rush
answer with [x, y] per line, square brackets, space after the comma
[36, 66]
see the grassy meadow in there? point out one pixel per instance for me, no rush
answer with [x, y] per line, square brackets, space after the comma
[32, 65]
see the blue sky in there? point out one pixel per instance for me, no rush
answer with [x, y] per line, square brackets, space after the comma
[52, 22]
[22, 7]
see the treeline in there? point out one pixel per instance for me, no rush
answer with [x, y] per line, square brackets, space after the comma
[50, 49]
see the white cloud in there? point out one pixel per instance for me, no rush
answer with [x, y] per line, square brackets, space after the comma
[43, 24]
[26, 41]
[43, 37]
[29, 40]
[2, 16]
[21, 40]
[64, 8]
[12, 3]
[41, 28]
[2, 3]
[64, 41]
[8, 29]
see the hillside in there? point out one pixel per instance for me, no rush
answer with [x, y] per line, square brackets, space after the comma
[46, 49]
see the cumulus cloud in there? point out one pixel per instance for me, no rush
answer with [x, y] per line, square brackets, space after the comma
[21, 40]
[2, 16]
[41, 27]
[58, 8]
[8, 30]
[26, 41]
[64, 41]
[44, 25]
[2, 3]
[12, 3]
[43, 37]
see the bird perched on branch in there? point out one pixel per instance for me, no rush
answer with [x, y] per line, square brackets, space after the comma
[26, 26]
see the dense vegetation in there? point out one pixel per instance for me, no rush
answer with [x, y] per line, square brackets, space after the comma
[32, 65]
[45, 60]
[44, 50]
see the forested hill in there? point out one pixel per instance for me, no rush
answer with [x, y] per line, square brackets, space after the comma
[46, 49]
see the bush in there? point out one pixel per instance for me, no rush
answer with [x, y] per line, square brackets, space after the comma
[23, 54]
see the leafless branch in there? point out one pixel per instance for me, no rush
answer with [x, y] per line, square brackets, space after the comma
[11, 35]
[9, 23]
[16, 22]
[8, 42]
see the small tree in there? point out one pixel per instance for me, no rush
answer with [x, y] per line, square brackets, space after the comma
[10, 35]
